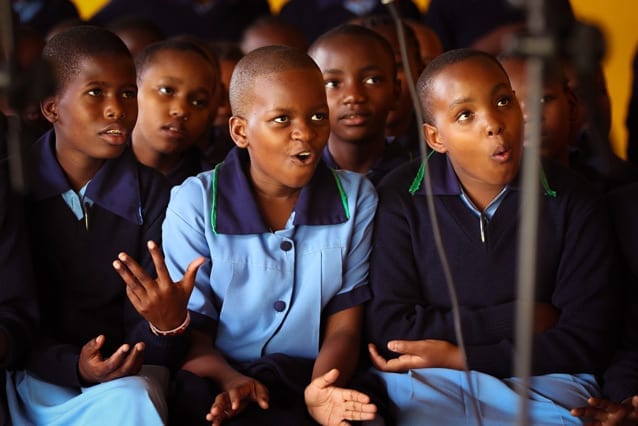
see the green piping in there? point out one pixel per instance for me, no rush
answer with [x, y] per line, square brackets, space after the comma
[342, 194]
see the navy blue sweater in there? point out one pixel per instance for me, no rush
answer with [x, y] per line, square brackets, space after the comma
[574, 274]
[81, 295]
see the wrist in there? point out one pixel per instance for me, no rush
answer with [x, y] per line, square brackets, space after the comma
[180, 329]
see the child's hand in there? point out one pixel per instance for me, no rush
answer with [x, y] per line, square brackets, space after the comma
[126, 361]
[331, 405]
[603, 412]
[428, 353]
[238, 392]
[161, 302]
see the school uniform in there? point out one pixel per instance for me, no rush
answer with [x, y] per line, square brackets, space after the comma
[393, 156]
[264, 295]
[575, 273]
[74, 241]
[192, 162]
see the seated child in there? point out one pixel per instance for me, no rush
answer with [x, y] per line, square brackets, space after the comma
[278, 304]
[92, 199]
[361, 83]
[474, 124]
[178, 82]
[400, 126]
[561, 122]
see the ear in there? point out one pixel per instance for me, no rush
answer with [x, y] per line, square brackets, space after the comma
[433, 138]
[49, 108]
[238, 131]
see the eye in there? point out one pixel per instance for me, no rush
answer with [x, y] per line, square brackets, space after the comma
[331, 84]
[94, 92]
[281, 119]
[464, 115]
[547, 98]
[166, 90]
[372, 80]
[504, 101]
[320, 116]
[200, 103]
[128, 94]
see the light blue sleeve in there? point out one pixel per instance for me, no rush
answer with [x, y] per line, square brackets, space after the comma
[184, 232]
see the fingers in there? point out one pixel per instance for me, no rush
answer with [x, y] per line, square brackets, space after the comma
[131, 273]
[132, 363]
[163, 276]
[261, 396]
[377, 360]
[326, 379]
[92, 347]
[188, 281]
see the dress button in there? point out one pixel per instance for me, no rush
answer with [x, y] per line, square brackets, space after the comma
[285, 245]
[279, 305]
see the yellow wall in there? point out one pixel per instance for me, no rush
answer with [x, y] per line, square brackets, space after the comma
[617, 18]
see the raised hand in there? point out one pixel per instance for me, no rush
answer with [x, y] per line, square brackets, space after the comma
[125, 361]
[332, 405]
[418, 354]
[238, 392]
[160, 301]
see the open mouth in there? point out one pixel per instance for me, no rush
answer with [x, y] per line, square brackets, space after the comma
[502, 154]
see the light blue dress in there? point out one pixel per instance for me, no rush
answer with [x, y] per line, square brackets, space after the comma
[265, 292]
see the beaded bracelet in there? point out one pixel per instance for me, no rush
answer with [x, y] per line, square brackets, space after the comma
[178, 330]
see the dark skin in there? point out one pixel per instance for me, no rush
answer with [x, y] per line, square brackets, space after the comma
[603, 412]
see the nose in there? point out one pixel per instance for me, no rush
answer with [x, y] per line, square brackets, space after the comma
[353, 93]
[302, 131]
[494, 125]
[115, 110]
[179, 109]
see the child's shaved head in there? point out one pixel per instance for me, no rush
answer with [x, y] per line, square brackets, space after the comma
[66, 50]
[259, 62]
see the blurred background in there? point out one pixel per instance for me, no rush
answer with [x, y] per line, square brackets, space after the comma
[618, 19]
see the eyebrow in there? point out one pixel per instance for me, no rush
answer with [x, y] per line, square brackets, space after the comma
[468, 99]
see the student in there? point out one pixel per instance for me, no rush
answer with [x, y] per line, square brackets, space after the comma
[315, 17]
[278, 302]
[228, 54]
[473, 122]
[401, 127]
[359, 72]
[563, 126]
[558, 106]
[18, 307]
[136, 32]
[91, 200]
[269, 30]
[178, 83]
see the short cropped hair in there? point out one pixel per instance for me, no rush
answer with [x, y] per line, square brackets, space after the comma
[178, 44]
[65, 50]
[438, 64]
[360, 32]
[262, 61]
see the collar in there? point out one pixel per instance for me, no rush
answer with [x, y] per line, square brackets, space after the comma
[116, 177]
[443, 179]
[234, 209]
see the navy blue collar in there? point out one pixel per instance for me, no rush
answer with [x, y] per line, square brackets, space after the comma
[443, 179]
[234, 209]
[114, 187]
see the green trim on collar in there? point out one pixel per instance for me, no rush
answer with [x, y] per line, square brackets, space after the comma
[342, 194]
[548, 191]
[213, 210]
[416, 183]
